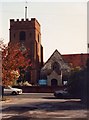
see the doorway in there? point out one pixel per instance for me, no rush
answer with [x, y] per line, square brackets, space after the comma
[54, 82]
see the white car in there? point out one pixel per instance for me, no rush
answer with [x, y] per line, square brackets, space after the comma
[13, 91]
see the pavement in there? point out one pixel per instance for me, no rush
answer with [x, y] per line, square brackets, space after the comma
[38, 108]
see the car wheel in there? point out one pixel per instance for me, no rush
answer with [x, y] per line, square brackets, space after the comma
[14, 93]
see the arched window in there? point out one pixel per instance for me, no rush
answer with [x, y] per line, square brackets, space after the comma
[22, 36]
[56, 66]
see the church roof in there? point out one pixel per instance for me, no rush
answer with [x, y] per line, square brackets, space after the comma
[76, 59]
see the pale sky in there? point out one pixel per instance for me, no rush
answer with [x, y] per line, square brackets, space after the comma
[63, 24]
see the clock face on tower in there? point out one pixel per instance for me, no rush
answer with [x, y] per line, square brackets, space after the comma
[22, 48]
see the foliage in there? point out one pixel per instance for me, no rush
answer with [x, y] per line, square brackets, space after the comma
[12, 59]
[76, 81]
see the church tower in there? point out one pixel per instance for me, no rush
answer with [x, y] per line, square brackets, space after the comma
[28, 33]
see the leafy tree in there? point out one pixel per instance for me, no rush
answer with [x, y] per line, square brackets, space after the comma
[76, 81]
[13, 58]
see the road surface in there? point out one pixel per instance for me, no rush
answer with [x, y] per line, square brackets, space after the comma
[40, 106]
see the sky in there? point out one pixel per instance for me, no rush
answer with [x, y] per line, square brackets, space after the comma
[63, 23]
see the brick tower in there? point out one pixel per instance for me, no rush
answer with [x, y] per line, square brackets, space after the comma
[27, 32]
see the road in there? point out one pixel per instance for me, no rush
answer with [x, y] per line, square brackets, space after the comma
[32, 95]
[35, 106]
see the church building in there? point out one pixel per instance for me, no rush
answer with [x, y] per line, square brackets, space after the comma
[28, 34]
[55, 69]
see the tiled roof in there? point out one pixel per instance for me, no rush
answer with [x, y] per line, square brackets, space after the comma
[76, 59]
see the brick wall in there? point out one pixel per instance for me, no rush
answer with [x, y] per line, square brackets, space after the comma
[39, 89]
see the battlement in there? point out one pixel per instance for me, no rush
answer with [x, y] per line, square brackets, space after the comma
[18, 20]
[13, 21]
[33, 23]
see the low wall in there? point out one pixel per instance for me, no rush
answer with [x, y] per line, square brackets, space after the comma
[39, 89]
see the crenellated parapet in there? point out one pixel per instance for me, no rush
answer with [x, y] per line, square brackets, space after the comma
[23, 20]
[24, 23]
[18, 20]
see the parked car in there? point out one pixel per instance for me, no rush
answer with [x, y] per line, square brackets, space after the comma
[13, 91]
[66, 94]
[62, 94]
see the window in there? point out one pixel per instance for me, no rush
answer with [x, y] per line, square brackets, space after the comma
[55, 66]
[22, 36]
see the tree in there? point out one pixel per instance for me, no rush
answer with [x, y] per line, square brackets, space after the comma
[13, 58]
[76, 81]
[78, 84]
